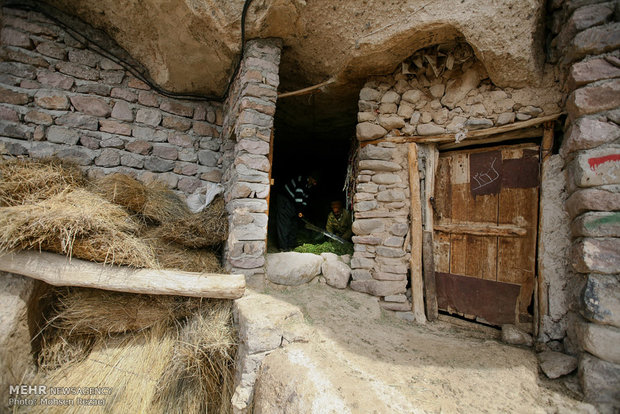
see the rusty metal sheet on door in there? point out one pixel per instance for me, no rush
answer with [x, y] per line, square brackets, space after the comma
[494, 301]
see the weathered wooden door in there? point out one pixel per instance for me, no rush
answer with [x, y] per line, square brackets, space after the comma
[486, 220]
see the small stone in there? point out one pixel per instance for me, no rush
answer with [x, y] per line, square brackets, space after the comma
[478, 110]
[132, 161]
[437, 90]
[112, 77]
[62, 135]
[505, 118]
[412, 96]
[52, 50]
[148, 116]
[599, 380]
[78, 120]
[177, 108]
[208, 158]
[54, 80]
[390, 122]
[174, 122]
[378, 165]
[390, 97]
[336, 273]
[584, 72]
[458, 89]
[367, 226]
[112, 142]
[148, 99]
[594, 98]
[587, 133]
[108, 158]
[596, 255]
[17, 69]
[38, 117]
[12, 37]
[514, 336]
[77, 71]
[165, 151]
[91, 105]
[366, 117]
[430, 129]
[367, 131]
[78, 155]
[7, 114]
[122, 111]
[556, 364]
[523, 117]
[138, 84]
[592, 199]
[181, 140]
[84, 57]
[114, 127]
[388, 108]
[107, 64]
[369, 94]
[596, 40]
[157, 164]
[373, 152]
[478, 123]
[601, 299]
[426, 117]
[205, 129]
[124, 94]
[599, 340]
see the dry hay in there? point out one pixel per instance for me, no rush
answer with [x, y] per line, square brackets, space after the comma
[154, 201]
[102, 313]
[26, 181]
[200, 376]
[77, 223]
[185, 366]
[175, 256]
[204, 229]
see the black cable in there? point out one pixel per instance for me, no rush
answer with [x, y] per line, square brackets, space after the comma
[30, 6]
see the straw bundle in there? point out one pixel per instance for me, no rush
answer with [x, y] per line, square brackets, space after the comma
[76, 223]
[204, 229]
[153, 201]
[25, 181]
[200, 376]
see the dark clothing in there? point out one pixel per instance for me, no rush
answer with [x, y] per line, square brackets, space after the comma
[341, 225]
[291, 200]
[286, 222]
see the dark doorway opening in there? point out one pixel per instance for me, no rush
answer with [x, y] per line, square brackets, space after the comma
[303, 146]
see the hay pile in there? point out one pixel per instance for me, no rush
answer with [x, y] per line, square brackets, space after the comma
[49, 205]
[160, 354]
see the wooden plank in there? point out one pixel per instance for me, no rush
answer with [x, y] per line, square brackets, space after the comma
[428, 263]
[493, 301]
[417, 285]
[541, 307]
[57, 270]
[480, 133]
[481, 229]
[517, 256]
[494, 139]
[430, 292]
[271, 139]
[441, 252]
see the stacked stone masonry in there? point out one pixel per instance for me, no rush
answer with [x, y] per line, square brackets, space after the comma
[247, 132]
[446, 90]
[59, 97]
[586, 40]
[381, 205]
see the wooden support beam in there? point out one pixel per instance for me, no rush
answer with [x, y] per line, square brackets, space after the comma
[417, 285]
[481, 229]
[480, 133]
[541, 305]
[428, 262]
[307, 90]
[57, 270]
[525, 133]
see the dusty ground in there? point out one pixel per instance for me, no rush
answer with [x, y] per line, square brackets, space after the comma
[360, 359]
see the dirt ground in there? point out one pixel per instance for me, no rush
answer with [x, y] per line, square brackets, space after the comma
[361, 359]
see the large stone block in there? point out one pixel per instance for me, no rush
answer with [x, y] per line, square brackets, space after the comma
[587, 133]
[78, 71]
[377, 165]
[592, 199]
[61, 135]
[594, 98]
[336, 273]
[595, 40]
[379, 287]
[597, 224]
[373, 152]
[601, 299]
[596, 167]
[589, 71]
[363, 227]
[600, 381]
[78, 155]
[596, 255]
[54, 79]
[600, 340]
[293, 269]
[13, 97]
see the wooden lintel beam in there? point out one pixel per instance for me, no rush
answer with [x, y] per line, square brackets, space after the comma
[58, 270]
[480, 133]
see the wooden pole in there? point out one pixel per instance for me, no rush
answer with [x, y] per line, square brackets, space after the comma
[417, 285]
[307, 90]
[428, 262]
[541, 308]
[58, 270]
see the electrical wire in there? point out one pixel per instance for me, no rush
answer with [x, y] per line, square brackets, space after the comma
[137, 72]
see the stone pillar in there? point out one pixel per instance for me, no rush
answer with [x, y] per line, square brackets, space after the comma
[247, 132]
[381, 204]
[587, 43]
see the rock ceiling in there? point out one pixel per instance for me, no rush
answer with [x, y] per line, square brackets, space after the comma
[191, 45]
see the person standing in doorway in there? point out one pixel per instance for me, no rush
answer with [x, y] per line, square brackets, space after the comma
[292, 201]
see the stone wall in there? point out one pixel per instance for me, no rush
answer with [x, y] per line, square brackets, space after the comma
[247, 133]
[586, 42]
[381, 203]
[59, 96]
[445, 89]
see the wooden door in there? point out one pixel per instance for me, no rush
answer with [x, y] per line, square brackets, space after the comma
[486, 220]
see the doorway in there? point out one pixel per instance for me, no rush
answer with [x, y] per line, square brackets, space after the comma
[485, 232]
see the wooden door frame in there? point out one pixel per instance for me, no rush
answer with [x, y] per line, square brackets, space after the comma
[432, 151]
